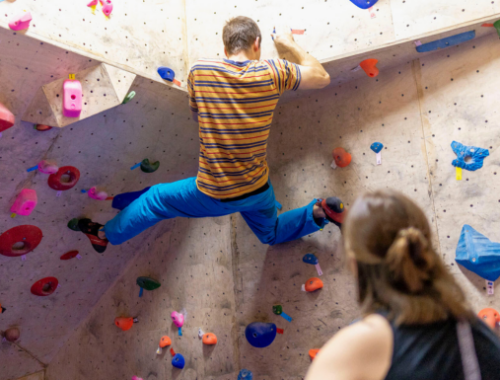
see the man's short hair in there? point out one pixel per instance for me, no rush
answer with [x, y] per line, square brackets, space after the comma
[240, 33]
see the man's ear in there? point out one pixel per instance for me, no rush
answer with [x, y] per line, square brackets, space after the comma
[256, 44]
[225, 52]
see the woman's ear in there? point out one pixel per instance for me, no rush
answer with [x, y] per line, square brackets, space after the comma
[353, 265]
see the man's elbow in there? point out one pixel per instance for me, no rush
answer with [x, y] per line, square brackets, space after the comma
[325, 80]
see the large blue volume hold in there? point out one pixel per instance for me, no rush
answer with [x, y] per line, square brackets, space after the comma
[260, 334]
[178, 361]
[446, 42]
[121, 201]
[478, 254]
[309, 258]
[166, 73]
[364, 4]
[468, 157]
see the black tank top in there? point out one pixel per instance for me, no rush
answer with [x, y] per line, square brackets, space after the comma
[431, 352]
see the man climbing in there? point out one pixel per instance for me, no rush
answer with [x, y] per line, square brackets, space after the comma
[233, 101]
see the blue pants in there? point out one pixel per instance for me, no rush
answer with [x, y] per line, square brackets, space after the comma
[182, 198]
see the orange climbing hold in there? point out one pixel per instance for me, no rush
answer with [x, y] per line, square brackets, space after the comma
[313, 352]
[489, 316]
[165, 341]
[209, 339]
[124, 323]
[370, 68]
[341, 157]
[313, 284]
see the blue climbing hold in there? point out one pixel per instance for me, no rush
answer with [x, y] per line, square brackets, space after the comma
[166, 73]
[309, 258]
[260, 334]
[446, 42]
[121, 201]
[245, 374]
[376, 147]
[178, 361]
[364, 4]
[468, 157]
[478, 254]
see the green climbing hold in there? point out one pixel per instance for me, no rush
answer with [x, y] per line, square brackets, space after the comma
[497, 27]
[149, 167]
[278, 309]
[73, 224]
[129, 97]
[148, 283]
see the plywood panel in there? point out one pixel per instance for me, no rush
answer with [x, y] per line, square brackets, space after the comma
[460, 91]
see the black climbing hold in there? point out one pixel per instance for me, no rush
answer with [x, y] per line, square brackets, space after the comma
[148, 283]
[73, 225]
[149, 167]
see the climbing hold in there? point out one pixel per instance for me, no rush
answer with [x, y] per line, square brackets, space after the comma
[44, 287]
[65, 178]
[164, 342]
[12, 334]
[72, 98]
[313, 352]
[341, 158]
[20, 21]
[7, 118]
[121, 201]
[468, 157]
[377, 148]
[309, 258]
[42, 127]
[99, 195]
[497, 26]
[209, 339]
[334, 210]
[260, 334]
[136, 378]
[178, 361]
[446, 42]
[490, 316]
[2, 309]
[107, 7]
[364, 4]
[73, 225]
[277, 309]
[69, 255]
[20, 240]
[125, 323]
[313, 284]
[129, 97]
[177, 318]
[245, 374]
[93, 3]
[25, 202]
[478, 254]
[166, 73]
[149, 167]
[369, 66]
[47, 167]
[147, 283]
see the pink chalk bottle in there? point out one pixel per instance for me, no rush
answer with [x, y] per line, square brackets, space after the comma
[21, 21]
[72, 98]
[25, 202]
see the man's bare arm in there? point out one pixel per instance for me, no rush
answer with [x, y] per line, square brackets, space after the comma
[313, 75]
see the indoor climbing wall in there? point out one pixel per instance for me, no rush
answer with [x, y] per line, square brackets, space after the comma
[103, 148]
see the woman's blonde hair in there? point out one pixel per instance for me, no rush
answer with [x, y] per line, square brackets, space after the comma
[399, 271]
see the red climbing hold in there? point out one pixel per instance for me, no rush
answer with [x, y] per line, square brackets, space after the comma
[165, 341]
[45, 287]
[65, 178]
[69, 255]
[313, 352]
[20, 240]
[369, 66]
[489, 316]
[7, 118]
[341, 157]
[42, 127]
[12, 334]
[313, 284]
[124, 323]
[209, 339]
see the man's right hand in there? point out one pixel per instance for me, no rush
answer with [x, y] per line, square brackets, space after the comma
[283, 38]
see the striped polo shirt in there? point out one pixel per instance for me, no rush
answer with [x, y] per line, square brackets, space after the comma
[235, 102]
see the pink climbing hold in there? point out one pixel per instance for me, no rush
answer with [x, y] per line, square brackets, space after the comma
[47, 167]
[21, 21]
[72, 98]
[25, 202]
[7, 118]
[93, 3]
[107, 7]
[96, 194]
[178, 318]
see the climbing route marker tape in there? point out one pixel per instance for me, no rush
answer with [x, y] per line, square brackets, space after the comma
[298, 31]
[180, 331]
[177, 82]
[418, 43]
[200, 333]
[286, 316]
[23, 258]
[357, 68]
[318, 269]
[58, 194]
[458, 173]
[372, 12]
[140, 292]
[72, 76]
[379, 158]
[490, 288]
[13, 215]
[333, 165]
[135, 166]
[32, 168]
[279, 331]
